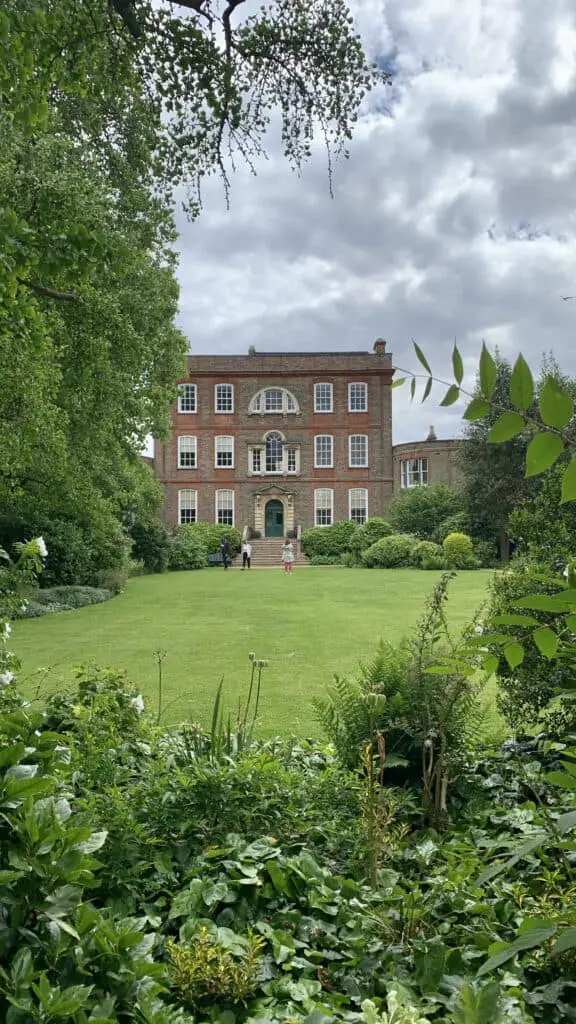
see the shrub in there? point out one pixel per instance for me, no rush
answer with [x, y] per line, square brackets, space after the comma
[327, 559]
[367, 534]
[187, 550]
[61, 599]
[485, 553]
[350, 559]
[151, 545]
[210, 535]
[458, 552]
[421, 510]
[328, 540]
[526, 691]
[82, 555]
[390, 552]
[427, 555]
[113, 580]
[457, 523]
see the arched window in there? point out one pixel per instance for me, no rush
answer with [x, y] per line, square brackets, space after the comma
[274, 452]
[273, 400]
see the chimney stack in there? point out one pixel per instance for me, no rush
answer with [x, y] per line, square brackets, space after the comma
[379, 346]
[251, 351]
[431, 435]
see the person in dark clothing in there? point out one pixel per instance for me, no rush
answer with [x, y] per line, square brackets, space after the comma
[225, 551]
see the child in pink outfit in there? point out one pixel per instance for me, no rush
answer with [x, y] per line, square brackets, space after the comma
[287, 556]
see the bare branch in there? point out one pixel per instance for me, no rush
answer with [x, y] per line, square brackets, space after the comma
[50, 293]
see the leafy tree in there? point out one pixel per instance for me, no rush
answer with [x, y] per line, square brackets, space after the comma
[421, 510]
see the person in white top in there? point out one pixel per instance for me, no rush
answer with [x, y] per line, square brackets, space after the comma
[287, 556]
[246, 555]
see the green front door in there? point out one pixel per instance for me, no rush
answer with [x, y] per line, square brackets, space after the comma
[274, 518]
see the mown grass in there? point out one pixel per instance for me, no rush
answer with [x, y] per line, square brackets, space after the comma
[316, 623]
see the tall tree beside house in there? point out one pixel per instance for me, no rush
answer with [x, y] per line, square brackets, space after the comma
[494, 482]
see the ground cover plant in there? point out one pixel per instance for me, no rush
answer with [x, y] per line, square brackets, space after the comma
[318, 623]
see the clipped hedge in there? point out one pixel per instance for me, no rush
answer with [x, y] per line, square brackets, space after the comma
[367, 534]
[459, 552]
[390, 552]
[328, 540]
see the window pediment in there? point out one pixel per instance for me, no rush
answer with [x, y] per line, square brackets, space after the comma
[273, 401]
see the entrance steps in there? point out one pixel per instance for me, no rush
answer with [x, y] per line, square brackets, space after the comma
[267, 551]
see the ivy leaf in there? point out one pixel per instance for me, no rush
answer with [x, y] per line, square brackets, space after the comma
[457, 365]
[569, 483]
[488, 372]
[451, 396]
[507, 426]
[528, 940]
[422, 358]
[521, 385]
[546, 641]
[556, 407]
[427, 389]
[543, 450]
[477, 409]
[412, 388]
[514, 654]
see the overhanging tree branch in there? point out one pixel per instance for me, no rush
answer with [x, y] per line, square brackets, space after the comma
[50, 293]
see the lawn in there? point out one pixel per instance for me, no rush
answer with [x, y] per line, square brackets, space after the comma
[316, 623]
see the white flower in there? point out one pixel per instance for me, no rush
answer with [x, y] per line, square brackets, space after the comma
[6, 678]
[7, 629]
[41, 546]
[138, 703]
[479, 630]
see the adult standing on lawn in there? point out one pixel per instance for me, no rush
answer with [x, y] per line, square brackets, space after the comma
[225, 551]
[246, 554]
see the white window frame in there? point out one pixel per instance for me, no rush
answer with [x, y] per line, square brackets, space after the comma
[324, 384]
[224, 449]
[323, 465]
[351, 463]
[261, 458]
[258, 403]
[319, 505]
[193, 448]
[292, 448]
[355, 384]
[187, 508]
[355, 491]
[220, 508]
[223, 412]
[181, 398]
[406, 474]
[277, 408]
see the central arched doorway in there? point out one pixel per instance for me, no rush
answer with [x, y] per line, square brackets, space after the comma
[274, 518]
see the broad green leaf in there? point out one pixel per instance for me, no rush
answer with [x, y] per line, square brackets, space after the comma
[488, 372]
[565, 941]
[412, 388]
[569, 483]
[561, 779]
[522, 851]
[566, 822]
[507, 426]
[546, 641]
[515, 620]
[514, 654]
[477, 409]
[570, 621]
[556, 407]
[490, 663]
[427, 389]
[521, 385]
[451, 396]
[528, 940]
[422, 358]
[564, 601]
[94, 842]
[457, 365]
[398, 382]
[542, 452]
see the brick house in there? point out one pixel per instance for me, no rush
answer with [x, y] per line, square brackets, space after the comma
[279, 442]
[422, 463]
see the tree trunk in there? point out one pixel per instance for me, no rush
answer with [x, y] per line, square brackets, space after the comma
[504, 547]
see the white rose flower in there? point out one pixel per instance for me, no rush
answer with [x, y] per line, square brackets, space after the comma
[138, 703]
[41, 545]
[6, 678]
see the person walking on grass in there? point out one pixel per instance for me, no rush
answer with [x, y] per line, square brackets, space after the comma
[287, 556]
[225, 551]
[246, 555]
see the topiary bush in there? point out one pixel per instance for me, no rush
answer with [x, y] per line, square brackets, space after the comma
[390, 552]
[328, 540]
[459, 552]
[367, 534]
[456, 523]
[427, 555]
[187, 550]
[210, 535]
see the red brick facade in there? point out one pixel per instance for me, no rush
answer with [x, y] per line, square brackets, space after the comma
[290, 482]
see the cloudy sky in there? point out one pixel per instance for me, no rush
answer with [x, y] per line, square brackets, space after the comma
[455, 217]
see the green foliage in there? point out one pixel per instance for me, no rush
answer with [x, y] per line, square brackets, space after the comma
[328, 559]
[60, 599]
[367, 534]
[458, 551]
[390, 552]
[485, 553]
[151, 545]
[187, 550]
[210, 535]
[422, 510]
[427, 555]
[207, 970]
[458, 523]
[328, 540]
[544, 527]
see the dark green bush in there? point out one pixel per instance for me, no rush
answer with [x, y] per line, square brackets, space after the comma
[151, 545]
[427, 555]
[367, 534]
[328, 540]
[485, 553]
[390, 552]
[60, 599]
[456, 523]
[210, 535]
[187, 551]
[326, 560]
[421, 510]
[458, 552]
